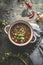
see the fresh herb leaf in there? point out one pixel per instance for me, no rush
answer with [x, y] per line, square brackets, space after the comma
[0, 30]
[13, 55]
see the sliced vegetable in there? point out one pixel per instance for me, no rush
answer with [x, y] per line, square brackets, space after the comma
[33, 13]
[16, 35]
[20, 35]
[29, 5]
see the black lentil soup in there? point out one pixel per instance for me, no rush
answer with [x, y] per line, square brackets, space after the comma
[20, 33]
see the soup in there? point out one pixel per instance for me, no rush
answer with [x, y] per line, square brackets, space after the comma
[20, 33]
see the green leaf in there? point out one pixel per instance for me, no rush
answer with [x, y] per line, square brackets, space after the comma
[0, 30]
[7, 54]
[23, 60]
[3, 58]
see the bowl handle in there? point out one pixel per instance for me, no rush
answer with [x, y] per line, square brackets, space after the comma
[34, 36]
[6, 29]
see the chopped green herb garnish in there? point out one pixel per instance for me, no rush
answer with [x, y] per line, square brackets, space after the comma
[20, 36]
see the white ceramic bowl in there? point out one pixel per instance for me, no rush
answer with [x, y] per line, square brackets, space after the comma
[8, 28]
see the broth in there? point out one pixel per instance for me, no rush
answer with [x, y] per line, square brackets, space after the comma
[20, 33]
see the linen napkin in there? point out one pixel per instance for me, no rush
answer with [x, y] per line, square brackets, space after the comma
[37, 55]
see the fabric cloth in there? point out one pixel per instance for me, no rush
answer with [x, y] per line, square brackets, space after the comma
[37, 55]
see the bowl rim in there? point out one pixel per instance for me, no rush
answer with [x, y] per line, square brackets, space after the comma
[25, 22]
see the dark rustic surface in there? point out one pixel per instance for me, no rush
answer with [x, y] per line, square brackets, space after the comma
[5, 44]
